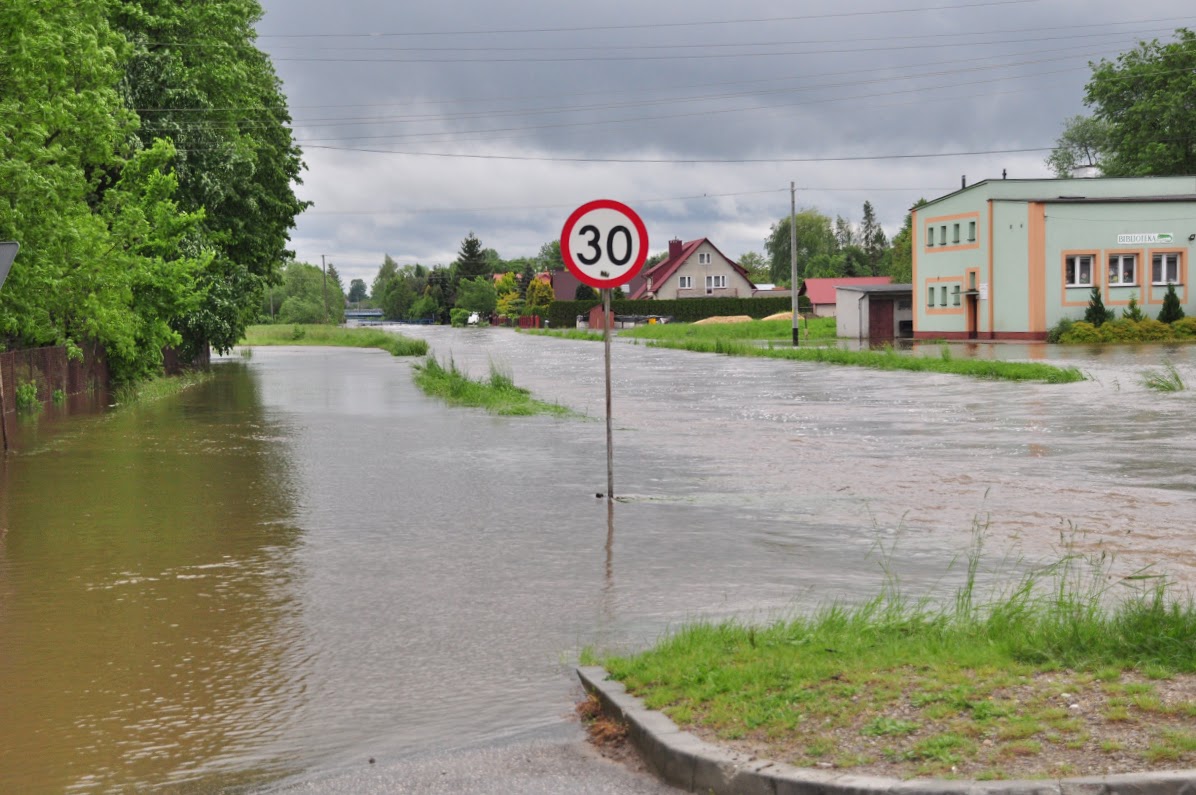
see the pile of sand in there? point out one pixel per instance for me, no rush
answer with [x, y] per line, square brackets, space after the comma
[710, 321]
[781, 316]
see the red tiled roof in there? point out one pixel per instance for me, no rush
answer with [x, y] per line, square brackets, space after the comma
[661, 272]
[822, 291]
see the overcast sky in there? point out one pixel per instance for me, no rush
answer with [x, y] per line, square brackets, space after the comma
[422, 121]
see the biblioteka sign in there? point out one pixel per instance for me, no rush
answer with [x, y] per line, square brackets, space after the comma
[1144, 237]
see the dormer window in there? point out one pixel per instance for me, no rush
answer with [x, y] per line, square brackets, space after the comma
[704, 258]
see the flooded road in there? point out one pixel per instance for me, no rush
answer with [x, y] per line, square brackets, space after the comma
[305, 563]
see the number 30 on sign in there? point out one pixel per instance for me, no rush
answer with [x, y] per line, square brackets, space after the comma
[604, 243]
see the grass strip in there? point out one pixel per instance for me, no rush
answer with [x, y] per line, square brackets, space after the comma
[565, 334]
[497, 394]
[162, 386]
[812, 328]
[975, 687]
[887, 359]
[335, 336]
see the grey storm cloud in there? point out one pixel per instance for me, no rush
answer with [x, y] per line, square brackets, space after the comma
[421, 122]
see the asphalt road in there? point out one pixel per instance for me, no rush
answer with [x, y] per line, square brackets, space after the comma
[555, 760]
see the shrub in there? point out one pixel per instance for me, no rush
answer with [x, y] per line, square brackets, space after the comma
[1171, 310]
[1151, 330]
[458, 316]
[1184, 328]
[27, 397]
[1120, 330]
[1132, 311]
[1081, 332]
[1060, 330]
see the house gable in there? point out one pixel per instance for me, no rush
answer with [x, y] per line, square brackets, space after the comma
[694, 261]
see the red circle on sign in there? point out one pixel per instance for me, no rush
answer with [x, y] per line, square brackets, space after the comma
[620, 273]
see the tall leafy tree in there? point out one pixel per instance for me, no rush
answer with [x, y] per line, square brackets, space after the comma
[815, 236]
[1081, 145]
[357, 291]
[196, 77]
[1144, 98]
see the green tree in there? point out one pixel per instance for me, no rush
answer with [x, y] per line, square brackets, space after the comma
[900, 261]
[1132, 311]
[334, 279]
[755, 265]
[585, 292]
[1096, 313]
[549, 257]
[872, 241]
[195, 76]
[477, 295]
[814, 236]
[844, 232]
[526, 277]
[1145, 100]
[303, 296]
[1171, 310]
[1083, 141]
[471, 260]
[357, 291]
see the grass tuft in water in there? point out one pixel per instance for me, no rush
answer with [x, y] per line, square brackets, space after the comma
[335, 336]
[1166, 380]
[497, 394]
[158, 388]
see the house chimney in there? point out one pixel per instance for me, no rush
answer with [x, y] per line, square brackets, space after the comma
[963, 181]
[674, 249]
[1002, 173]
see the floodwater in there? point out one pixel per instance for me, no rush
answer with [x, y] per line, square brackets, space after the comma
[305, 563]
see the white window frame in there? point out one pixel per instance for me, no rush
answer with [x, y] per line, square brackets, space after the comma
[716, 282]
[703, 257]
[685, 282]
[1072, 270]
[1164, 258]
[1118, 270]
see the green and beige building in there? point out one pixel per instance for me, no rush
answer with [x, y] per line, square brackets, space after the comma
[1008, 259]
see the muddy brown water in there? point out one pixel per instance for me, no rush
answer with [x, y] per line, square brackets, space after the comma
[305, 562]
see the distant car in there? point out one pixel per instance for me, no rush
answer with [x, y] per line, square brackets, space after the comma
[474, 319]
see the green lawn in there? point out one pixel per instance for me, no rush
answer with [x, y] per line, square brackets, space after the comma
[337, 336]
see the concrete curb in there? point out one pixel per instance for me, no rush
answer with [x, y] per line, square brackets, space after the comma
[685, 761]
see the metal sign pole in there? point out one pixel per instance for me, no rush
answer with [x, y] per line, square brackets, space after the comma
[610, 444]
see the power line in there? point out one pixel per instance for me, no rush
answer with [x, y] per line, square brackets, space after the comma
[651, 25]
[692, 160]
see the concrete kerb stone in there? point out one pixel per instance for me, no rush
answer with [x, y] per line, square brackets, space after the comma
[685, 761]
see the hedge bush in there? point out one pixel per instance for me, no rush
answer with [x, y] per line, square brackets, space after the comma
[1123, 330]
[1184, 328]
[1120, 330]
[682, 310]
[1081, 332]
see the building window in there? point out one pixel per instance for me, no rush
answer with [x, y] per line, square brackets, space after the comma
[716, 282]
[955, 233]
[955, 295]
[685, 282]
[704, 258]
[971, 231]
[930, 236]
[1079, 271]
[943, 295]
[930, 295]
[1121, 268]
[943, 234]
[1164, 268]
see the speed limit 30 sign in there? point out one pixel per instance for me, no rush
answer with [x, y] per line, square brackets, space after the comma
[604, 243]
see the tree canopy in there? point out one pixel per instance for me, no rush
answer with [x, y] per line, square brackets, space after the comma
[1143, 101]
[151, 193]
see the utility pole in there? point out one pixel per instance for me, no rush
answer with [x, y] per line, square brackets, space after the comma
[793, 259]
[324, 268]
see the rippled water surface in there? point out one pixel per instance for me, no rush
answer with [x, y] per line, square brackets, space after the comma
[305, 562]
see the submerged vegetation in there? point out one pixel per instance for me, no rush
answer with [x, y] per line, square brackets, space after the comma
[1166, 380]
[335, 336]
[1054, 666]
[157, 388]
[497, 393]
[887, 359]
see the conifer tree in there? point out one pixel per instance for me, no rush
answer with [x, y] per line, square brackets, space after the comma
[471, 259]
[1171, 310]
[1096, 314]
